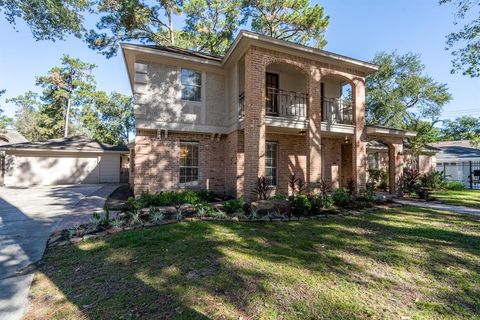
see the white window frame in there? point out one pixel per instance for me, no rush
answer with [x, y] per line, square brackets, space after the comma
[199, 87]
[276, 163]
[197, 166]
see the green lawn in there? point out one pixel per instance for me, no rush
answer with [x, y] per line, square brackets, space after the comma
[406, 262]
[468, 198]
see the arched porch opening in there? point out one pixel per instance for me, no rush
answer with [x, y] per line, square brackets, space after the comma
[337, 98]
[385, 163]
[286, 90]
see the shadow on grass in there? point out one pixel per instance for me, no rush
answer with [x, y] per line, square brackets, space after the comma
[216, 270]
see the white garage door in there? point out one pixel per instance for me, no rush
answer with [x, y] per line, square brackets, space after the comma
[51, 169]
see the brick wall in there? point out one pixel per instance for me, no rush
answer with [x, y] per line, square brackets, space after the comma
[157, 162]
[292, 159]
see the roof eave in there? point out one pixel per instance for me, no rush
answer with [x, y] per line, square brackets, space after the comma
[366, 67]
[61, 150]
[385, 131]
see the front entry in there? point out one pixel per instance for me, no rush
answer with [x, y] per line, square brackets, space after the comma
[271, 92]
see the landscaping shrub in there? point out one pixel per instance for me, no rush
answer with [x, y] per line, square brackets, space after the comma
[434, 180]
[205, 195]
[296, 184]
[324, 187]
[423, 193]
[454, 185]
[300, 204]
[341, 197]
[155, 215]
[172, 198]
[132, 205]
[164, 198]
[410, 181]
[233, 206]
[261, 188]
[320, 201]
[367, 195]
[278, 196]
[316, 201]
[188, 197]
[204, 210]
[377, 179]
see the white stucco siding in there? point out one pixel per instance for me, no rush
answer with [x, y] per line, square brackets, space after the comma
[333, 89]
[109, 168]
[51, 168]
[159, 99]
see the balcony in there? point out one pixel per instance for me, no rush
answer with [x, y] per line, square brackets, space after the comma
[280, 103]
[337, 111]
[287, 110]
[286, 104]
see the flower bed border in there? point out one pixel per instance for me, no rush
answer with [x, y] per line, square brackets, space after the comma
[58, 238]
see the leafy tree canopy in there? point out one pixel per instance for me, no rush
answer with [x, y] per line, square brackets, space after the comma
[48, 19]
[291, 20]
[465, 42]
[4, 120]
[207, 25]
[462, 128]
[401, 95]
[107, 118]
[26, 115]
[210, 25]
[74, 80]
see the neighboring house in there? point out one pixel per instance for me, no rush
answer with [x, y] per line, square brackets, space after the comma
[69, 160]
[9, 136]
[460, 161]
[267, 108]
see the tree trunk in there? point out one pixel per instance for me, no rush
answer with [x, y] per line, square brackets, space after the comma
[65, 135]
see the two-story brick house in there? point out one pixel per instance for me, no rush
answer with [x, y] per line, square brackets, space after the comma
[267, 108]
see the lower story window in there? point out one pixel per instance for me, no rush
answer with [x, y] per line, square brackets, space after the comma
[271, 153]
[373, 160]
[188, 162]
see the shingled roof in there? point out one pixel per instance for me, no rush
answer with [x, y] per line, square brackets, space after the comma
[456, 149]
[182, 51]
[9, 136]
[74, 143]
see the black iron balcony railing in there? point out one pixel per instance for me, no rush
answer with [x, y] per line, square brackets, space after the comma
[337, 111]
[280, 103]
[283, 103]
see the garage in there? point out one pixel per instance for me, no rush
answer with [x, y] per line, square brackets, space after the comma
[72, 160]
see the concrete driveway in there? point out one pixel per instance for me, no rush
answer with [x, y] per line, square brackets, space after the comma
[27, 218]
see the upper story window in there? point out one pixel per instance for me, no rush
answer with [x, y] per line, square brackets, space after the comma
[271, 163]
[191, 85]
[188, 162]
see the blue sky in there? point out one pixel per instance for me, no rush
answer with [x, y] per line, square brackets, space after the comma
[358, 28]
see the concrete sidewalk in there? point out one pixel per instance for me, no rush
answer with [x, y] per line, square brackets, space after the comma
[27, 218]
[82, 212]
[438, 206]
